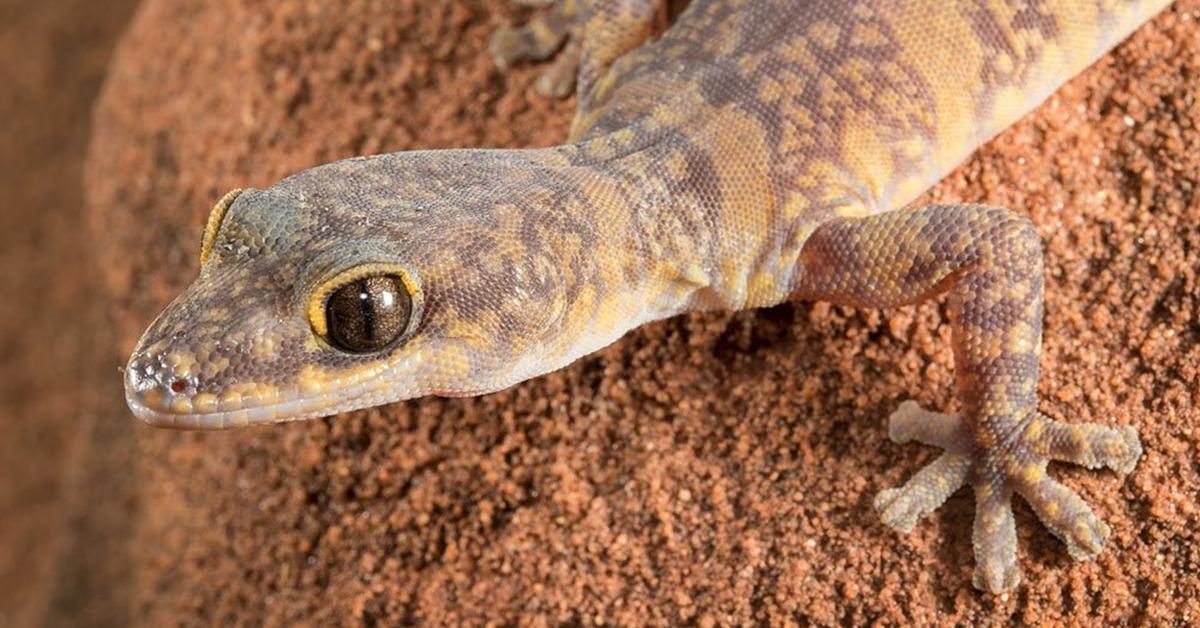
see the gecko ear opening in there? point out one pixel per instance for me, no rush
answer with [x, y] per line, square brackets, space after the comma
[215, 217]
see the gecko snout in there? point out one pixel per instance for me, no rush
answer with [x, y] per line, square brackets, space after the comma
[156, 390]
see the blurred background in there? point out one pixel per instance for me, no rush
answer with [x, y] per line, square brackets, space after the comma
[62, 503]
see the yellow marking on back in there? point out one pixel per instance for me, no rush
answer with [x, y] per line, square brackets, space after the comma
[824, 33]
[868, 157]
[750, 203]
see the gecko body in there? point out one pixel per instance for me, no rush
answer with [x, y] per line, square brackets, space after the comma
[758, 151]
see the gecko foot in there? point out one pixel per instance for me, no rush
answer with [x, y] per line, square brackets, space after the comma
[540, 39]
[999, 469]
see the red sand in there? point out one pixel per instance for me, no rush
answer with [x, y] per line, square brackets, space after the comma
[710, 469]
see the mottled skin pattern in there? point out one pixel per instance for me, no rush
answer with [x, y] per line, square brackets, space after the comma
[759, 151]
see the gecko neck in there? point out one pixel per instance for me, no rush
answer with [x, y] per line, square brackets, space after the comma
[714, 226]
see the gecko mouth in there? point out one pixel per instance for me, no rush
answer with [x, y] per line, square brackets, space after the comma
[160, 399]
[161, 416]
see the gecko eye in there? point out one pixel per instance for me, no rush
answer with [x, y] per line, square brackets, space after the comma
[367, 314]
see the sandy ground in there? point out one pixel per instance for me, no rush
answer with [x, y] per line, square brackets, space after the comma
[707, 469]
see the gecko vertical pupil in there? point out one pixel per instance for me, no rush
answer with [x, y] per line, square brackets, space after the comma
[368, 314]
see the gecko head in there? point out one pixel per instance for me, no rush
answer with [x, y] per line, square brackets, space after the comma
[350, 285]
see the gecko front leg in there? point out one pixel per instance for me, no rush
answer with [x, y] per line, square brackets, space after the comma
[990, 262]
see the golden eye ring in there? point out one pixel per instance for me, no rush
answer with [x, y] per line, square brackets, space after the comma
[365, 309]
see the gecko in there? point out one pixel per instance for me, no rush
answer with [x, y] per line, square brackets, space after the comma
[754, 152]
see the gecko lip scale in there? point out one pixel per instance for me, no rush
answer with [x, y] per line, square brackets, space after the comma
[274, 413]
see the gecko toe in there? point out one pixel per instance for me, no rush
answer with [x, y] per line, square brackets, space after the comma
[996, 575]
[893, 512]
[1086, 444]
[910, 422]
[1067, 516]
[900, 508]
[535, 40]
[512, 44]
[558, 81]
[542, 38]
[995, 539]
[1128, 452]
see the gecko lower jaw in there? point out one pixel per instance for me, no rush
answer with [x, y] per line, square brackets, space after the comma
[290, 406]
[290, 410]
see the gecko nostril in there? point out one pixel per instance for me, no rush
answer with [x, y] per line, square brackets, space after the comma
[178, 386]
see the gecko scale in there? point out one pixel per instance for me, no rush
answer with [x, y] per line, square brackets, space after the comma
[756, 152]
